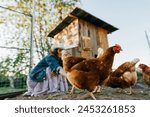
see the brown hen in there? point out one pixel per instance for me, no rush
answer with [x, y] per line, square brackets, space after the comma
[124, 76]
[146, 73]
[88, 74]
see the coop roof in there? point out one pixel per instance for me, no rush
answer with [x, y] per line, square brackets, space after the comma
[81, 14]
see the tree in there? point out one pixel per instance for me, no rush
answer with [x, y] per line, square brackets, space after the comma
[15, 66]
[48, 13]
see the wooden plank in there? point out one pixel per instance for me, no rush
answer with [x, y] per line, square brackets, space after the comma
[69, 35]
[89, 30]
[103, 38]
[76, 33]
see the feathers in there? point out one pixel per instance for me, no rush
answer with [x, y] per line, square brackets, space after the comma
[69, 61]
[90, 73]
[124, 76]
[146, 73]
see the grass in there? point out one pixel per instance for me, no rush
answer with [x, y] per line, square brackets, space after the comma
[4, 90]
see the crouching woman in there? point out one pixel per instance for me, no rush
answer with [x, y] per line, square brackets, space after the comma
[47, 76]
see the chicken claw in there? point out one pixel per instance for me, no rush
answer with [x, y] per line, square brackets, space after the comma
[72, 91]
[92, 95]
[130, 91]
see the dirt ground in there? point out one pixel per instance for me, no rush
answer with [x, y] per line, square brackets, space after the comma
[140, 92]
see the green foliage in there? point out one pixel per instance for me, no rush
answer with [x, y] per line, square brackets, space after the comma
[15, 67]
[47, 14]
[139, 74]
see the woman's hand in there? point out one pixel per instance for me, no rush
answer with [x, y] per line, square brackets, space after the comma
[53, 74]
[62, 72]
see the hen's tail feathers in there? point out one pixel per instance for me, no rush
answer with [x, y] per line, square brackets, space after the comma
[136, 60]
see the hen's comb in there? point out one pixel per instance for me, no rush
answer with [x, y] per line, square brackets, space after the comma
[118, 45]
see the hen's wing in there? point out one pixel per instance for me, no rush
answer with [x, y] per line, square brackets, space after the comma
[87, 65]
[147, 71]
[70, 61]
[146, 76]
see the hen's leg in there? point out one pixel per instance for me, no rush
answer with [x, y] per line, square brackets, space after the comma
[148, 87]
[130, 91]
[96, 88]
[72, 90]
[119, 90]
[92, 95]
[100, 88]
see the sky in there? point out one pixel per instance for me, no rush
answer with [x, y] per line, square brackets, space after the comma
[132, 17]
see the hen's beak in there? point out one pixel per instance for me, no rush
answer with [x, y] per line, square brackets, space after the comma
[121, 49]
[118, 50]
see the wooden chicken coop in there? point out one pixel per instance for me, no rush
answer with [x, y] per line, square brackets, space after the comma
[82, 33]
